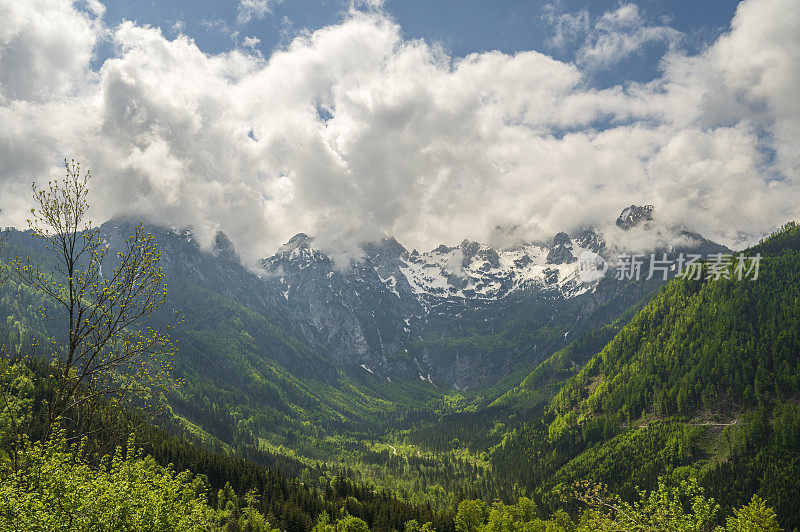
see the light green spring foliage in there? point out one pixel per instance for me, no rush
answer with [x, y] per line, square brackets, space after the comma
[471, 516]
[231, 515]
[677, 509]
[16, 387]
[347, 523]
[413, 526]
[53, 486]
[55, 489]
[109, 350]
[755, 516]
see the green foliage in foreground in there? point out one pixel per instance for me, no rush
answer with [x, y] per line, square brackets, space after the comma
[243, 488]
[680, 508]
[49, 486]
[52, 487]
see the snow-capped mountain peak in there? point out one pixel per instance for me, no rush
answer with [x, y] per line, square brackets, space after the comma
[634, 215]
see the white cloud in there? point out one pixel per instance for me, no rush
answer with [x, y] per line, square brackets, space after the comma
[367, 4]
[96, 7]
[618, 34]
[45, 49]
[566, 27]
[352, 131]
[251, 42]
[179, 26]
[249, 9]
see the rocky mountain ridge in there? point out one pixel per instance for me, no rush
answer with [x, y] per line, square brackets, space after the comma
[459, 316]
[469, 270]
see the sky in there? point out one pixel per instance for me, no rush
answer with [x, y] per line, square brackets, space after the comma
[433, 121]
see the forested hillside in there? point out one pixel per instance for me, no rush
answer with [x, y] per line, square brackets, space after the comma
[230, 358]
[703, 381]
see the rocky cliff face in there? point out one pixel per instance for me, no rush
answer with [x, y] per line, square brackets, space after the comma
[435, 315]
[350, 312]
[634, 216]
[561, 252]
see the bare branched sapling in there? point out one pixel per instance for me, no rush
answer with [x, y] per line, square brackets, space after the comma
[108, 351]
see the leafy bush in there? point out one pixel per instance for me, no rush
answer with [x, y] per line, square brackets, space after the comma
[52, 487]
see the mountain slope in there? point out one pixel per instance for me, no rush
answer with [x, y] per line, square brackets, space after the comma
[705, 378]
[232, 353]
[698, 343]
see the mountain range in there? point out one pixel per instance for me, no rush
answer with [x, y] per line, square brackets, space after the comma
[456, 317]
[387, 310]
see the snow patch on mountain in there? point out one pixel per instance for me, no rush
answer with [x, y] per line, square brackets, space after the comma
[475, 271]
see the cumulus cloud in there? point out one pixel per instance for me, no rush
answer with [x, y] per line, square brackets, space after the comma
[45, 47]
[612, 37]
[352, 131]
